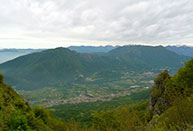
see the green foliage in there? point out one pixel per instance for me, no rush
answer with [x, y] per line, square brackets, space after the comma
[18, 122]
[16, 114]
[160, 84]
[183, 80]
[171, 108]
[1, 78]
[122, 119]
[162, 79]
[41, 113]
[177, 117]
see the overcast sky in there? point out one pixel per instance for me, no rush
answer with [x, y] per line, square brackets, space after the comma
[53, 23]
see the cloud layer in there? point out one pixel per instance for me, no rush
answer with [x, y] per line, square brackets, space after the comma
[52, 23]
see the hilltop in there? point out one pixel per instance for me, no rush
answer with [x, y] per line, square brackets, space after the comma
[61, 74]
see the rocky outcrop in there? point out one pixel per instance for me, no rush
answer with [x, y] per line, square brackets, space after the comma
[159, 99]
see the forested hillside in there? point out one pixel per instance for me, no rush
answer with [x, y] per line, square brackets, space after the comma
[40, 69]
[17, 115]
[169, 108]
[65, 76]
[63, 65]
[148, 56]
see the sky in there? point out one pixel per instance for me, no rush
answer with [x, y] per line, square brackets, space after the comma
[54, 23]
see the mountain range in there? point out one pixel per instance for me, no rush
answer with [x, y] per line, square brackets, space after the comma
[40, 69]
[9, 54]
[181, 50]
[92, 49]
[85, 83]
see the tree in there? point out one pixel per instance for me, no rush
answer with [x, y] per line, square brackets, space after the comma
[1, 78]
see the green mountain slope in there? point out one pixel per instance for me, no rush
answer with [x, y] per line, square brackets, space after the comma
[17, 115]
[74, 74]
[148, 56]
[40, 69]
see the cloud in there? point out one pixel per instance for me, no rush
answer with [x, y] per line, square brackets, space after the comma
[52, 23]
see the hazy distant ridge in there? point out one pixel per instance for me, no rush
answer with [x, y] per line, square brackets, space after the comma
[181, 50]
